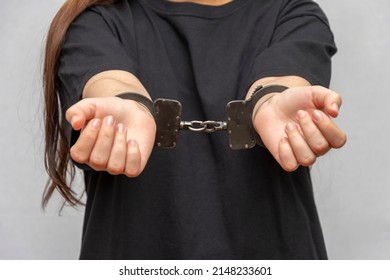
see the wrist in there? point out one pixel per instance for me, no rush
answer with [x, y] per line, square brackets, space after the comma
[262, 95]
[264, 101]
[142, 101]
[258, 99]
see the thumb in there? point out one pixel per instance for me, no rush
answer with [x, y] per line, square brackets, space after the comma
[327, 100]
[81, 112]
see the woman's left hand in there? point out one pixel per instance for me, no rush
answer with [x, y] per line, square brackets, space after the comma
[297, 127]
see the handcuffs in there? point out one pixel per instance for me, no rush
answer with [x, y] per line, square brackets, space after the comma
[239, 125]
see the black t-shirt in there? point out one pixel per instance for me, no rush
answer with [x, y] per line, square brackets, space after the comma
[200, 200]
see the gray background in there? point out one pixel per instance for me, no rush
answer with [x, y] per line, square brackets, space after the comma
[351, 185]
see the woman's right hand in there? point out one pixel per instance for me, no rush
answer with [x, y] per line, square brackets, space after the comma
[117, 135]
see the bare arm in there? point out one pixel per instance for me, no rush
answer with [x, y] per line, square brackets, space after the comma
[296, 126]
[117, 134]
[110, 83]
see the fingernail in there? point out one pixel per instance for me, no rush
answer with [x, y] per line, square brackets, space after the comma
[132, 142]
[317, 115]
[73, 120]
[301, 114]
[335, 107]
[290, 127]
[120, 128]
[109, 120]
[96, 123]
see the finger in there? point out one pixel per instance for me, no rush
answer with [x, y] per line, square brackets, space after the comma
[326, 99]
[78, 114]
[81, 150]
[334, 135]
[286, 156]
[117, 160]
[103, 145]
[303, 154]
[313, 136]
[143, 128]
[133, 159]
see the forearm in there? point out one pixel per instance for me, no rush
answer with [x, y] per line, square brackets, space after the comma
[288, 81]
[111, 83]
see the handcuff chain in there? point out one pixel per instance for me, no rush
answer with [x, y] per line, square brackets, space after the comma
[203, 126]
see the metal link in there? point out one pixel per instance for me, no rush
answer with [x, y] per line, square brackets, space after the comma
[241, 133]
[203, 126]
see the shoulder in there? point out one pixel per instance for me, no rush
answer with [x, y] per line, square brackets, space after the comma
[110, 14]
[115, 19]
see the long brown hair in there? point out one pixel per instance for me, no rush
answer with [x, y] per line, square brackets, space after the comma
[58, 166]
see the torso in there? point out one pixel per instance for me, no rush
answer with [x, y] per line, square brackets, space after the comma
[200, 200]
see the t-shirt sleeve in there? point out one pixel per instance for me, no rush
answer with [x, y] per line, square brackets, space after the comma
[302, 45]
[96, 41]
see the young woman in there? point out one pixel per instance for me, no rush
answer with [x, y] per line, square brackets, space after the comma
[200, 199]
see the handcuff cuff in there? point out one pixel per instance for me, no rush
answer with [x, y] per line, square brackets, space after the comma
[239, 125]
